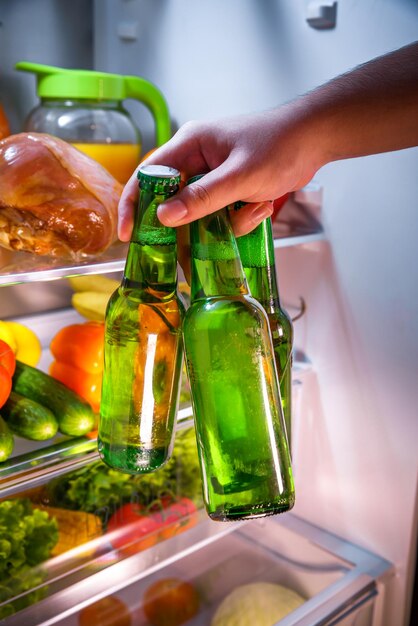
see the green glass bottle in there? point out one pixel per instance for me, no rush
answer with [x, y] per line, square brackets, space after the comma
[143, 344]
[256, 250]
[239, 422]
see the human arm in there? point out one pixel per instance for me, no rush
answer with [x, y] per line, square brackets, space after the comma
[371, 109]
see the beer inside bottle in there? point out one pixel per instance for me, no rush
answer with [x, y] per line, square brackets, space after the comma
[240, 430]
[143, 345]
[256, 250]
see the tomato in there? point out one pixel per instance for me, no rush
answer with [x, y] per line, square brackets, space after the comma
[170, 602]
[141, 530]
[7, 357]
[5, 385]
[174, 516]
[144, 528]
[108, 611]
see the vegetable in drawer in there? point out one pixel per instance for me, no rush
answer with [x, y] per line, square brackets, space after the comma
[256, 604]
[80, 345]
[78, 353]
[5, 385]
[170, 601]
[75, 416]
[7, 368]
[7, 357]
[29, 419]
[27, 537]
[6, 441]
[109, 611]
[22, 340]
[144, 526]
[75, 528]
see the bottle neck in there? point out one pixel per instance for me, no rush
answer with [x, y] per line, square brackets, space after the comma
[151, 263]
[257, 256]
[215, 263]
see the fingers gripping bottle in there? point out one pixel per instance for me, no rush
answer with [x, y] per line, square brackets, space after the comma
[143, 343]
[256, 250]
[243, 449]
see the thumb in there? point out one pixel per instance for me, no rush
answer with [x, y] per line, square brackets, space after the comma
[210, 193]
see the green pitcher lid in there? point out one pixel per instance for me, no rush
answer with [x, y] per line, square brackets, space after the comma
[59, 82]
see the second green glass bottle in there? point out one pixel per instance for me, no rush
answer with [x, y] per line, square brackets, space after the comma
[143, 345]
[242, 442]
[256, 250]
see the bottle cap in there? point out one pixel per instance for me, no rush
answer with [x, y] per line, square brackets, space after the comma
[160, 177]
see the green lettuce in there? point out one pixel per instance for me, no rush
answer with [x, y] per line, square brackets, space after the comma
[27, 536]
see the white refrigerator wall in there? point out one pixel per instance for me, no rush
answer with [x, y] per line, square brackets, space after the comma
[356, 424]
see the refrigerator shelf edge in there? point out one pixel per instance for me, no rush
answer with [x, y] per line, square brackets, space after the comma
[34, 468]
[21, 267]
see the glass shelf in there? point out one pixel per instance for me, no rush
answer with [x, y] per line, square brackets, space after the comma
[32, 468]
[21, 267]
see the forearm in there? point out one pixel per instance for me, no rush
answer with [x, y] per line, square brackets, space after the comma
[371, 109]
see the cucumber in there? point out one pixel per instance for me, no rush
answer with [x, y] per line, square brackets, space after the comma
[74, 415]
[6, 441]
[29, 419]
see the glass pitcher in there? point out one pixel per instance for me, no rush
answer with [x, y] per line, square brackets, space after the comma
[85, 108]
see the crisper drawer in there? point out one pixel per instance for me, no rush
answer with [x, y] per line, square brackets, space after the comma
[109, 583]
[224, 581]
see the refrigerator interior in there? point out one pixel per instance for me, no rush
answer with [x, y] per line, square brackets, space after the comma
[355, 424]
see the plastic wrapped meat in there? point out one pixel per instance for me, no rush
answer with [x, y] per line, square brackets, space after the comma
[55, 200]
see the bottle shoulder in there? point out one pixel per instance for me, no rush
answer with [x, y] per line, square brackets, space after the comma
[226, 305]
[279, 316]
[134, 300]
